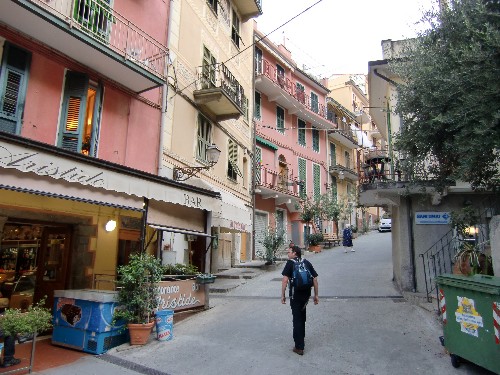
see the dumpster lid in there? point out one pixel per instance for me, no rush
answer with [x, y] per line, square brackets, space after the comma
[102, 296]
[481, 283]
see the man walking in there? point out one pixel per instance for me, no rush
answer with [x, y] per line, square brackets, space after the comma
[298, 298]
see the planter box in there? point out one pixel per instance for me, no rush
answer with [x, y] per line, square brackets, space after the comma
[205, 280]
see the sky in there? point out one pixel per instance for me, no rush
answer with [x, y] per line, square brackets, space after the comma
[339, 36]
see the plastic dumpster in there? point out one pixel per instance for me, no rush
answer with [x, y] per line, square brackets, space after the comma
[470, 307]
[165, 325]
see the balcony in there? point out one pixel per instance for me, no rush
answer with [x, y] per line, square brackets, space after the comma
[93, 34]
[218, 93]
[343, 134]
[341, 172]
[284, 92]
[277, 185]
[248, 8]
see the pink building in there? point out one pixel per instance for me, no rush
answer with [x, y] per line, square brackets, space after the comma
[82, 92]
[291, 126]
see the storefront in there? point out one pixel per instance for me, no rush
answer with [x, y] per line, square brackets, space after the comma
[54, 207]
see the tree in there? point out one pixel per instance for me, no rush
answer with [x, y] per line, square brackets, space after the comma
[449, 101]
[331, 209]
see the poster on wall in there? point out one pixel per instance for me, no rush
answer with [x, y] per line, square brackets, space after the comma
[439, 218]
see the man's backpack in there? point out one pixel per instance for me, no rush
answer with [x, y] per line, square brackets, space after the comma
[301, 276]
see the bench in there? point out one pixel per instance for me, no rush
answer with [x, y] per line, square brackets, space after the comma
[330, 238]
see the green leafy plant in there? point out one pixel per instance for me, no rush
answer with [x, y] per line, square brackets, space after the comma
[35, 319]
[314, 239]
[137, 286]
[272, 241]
[180, 269]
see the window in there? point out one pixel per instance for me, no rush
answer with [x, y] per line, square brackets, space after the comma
[258, 165]
[232, 161]
[80, 114]
[302, 178]
[257, 109]
[13, 82]
[333, 156]
[315, 137]
[314, 103]
[300, 93]
[258, 61]
[95, 16]
[280, 119]
[245, 108]
[280, 221]
[316, 181]
[280, 75]
[208, 70]
[301, 132]
[204, 138]
[235, 30]
[347, 160]
[334, 188]
[213, 5]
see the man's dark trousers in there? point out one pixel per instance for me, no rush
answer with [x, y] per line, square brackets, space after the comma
[298, 304]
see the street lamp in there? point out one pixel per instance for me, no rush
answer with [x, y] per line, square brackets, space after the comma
[212, 154]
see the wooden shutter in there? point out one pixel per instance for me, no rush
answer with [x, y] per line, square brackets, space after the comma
[315, 137]
[258, 165]
[208, 70]
[204, 138]
[73, 111]
[257, 110]
[317, 180]
[232, 167]
[96, 119]
[280, 119]
[302, 132]
[314, 102]
[13, 80]
[333, 156]
[302, 177]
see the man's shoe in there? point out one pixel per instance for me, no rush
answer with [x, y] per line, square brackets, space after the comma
[353, 250]
[298, 351]
[11, 362]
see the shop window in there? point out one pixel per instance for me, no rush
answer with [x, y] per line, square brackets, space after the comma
[204, 138]
[13, 82]
[81, 111]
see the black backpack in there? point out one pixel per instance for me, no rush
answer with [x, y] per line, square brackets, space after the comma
[301, 277]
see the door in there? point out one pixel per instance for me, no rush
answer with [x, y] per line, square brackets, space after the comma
[53, 262]
[260, 232]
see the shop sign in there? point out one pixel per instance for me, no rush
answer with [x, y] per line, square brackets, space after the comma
[180, 295]
[238, 226]
[438, 218]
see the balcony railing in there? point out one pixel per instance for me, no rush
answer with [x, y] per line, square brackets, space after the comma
[97, 19]
[278, 181]
[220, 77]
[269, 70]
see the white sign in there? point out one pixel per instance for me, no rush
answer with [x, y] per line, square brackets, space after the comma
[432, 218]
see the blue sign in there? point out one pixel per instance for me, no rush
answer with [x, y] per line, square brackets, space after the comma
[439, 218]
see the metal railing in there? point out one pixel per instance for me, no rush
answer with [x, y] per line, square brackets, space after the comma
[266, 68]
[220, 76]
[278, 181]
[97, 19]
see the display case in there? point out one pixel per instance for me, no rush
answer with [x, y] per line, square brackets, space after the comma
[18, 257]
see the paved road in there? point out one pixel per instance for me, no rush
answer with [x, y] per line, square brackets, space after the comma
[361, 326]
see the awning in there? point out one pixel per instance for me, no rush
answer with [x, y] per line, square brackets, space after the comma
[179, 230]
[50, 167]
[265, 142]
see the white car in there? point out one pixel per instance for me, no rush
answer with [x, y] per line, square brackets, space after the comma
[385, 224]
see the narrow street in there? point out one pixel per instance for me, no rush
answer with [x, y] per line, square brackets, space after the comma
[361, 326]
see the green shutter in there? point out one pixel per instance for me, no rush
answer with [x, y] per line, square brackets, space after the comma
[13, 81]
[333, 156]
[280, 119]
[204, 138]
[315, 137]
[317, 180]
[314, 103]
[303, 177]
[257, 111]
[232, 166]
[258, 165]
[334, 188]
[73, 111]
[208, 70]
[302, 132]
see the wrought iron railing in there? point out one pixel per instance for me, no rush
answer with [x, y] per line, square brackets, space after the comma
[268, 69]
[279, 181]
[101, 22]
[220, 76]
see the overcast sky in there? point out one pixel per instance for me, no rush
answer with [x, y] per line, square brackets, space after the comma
[339, 36]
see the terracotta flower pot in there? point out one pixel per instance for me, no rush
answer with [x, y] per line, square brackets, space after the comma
[315, 248]
[139, 333]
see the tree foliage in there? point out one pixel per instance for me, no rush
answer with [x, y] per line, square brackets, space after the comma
[449, 100]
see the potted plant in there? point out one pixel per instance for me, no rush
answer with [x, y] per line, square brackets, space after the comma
[314, 240]
[30, 322]
[272, 240]
[138, 295]
[179, 271]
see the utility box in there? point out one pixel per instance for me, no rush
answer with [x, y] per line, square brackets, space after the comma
[83, 320]
[470, 308]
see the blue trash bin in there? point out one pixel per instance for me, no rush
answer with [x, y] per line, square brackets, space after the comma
[165, 325]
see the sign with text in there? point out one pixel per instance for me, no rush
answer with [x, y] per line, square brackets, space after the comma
[439, 218]
[181, 295]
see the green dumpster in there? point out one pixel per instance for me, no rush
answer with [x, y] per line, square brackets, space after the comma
[470, 308]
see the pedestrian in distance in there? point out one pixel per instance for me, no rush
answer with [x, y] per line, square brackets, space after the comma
[347, 238]
[298, 298]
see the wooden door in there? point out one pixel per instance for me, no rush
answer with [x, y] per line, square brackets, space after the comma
[53, 261]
